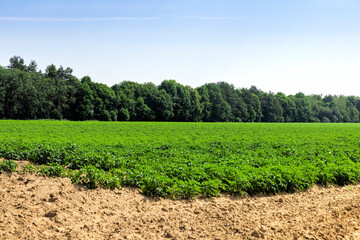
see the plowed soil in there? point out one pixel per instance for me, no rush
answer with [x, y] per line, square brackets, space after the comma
[36, 207]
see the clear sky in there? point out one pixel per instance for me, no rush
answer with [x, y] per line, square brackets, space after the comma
[312, 46]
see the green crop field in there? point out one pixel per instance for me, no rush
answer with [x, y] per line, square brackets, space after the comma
[182, 160]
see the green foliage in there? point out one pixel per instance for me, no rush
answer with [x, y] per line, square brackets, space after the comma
[88, 176]
[219, 110]
[26, 93]
[52, 170]
[93, 177]
[183, 160]
[29, 168]
[8, 166]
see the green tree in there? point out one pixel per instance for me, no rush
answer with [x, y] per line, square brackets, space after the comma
[253, 106]
[104, 102]
[3, 73]
[122, 103]
[271, 108]
[84, 100]
[159, 101]
[220, 109]
[126, 94]
[180, 98]
[288, 106]
[205, 103]
[233, 97]
[17, 62]
[143, 112]
[317, 106]
[25, 94]
[303, 108]
[123, 115]
[32, 68]
[196, 107]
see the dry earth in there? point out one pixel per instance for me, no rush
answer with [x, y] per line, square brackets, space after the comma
[35, 207]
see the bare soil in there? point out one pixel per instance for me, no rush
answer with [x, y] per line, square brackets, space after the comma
[36, 207]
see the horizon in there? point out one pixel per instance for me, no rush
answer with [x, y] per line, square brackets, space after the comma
[309, 47]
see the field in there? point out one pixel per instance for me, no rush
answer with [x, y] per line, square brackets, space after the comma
[183, 160]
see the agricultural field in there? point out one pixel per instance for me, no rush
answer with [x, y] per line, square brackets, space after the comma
[184, 160]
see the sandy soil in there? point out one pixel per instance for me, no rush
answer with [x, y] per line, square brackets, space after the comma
[34, 207]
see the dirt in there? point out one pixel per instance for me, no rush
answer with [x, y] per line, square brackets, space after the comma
[36, 207]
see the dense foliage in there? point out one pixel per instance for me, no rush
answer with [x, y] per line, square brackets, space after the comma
[26, 93]
[182, 160]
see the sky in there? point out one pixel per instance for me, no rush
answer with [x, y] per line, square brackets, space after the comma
[309, 46]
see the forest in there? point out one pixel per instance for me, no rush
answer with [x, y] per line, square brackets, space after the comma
[28, 93]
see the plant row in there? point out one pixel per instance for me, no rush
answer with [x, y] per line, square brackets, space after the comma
[189, 180]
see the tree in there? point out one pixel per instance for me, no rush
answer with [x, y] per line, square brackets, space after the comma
[159, 101]
[288, 106]
[253, 106]
[25, 95]
[196, 108]
[51, 71]
[220, 109]
[84, 100]
[205, 103]
[233, 97]
[123, 115]
[64, 86]
[17, 62]
[121, 103]
[317, 106]
[126, 94]
[271, 108]
[344, 110]
[303, 108]
[32, 68]
[104, 102]
[180, 98]
[3, 76]
[143, 112]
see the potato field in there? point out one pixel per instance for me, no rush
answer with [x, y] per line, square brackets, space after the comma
[184, 160]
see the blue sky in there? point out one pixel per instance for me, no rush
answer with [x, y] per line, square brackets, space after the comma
[312, 46]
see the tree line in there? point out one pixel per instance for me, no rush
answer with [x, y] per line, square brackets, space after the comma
[28, 93]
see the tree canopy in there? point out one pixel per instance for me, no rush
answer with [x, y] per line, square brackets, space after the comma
[27, 93]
